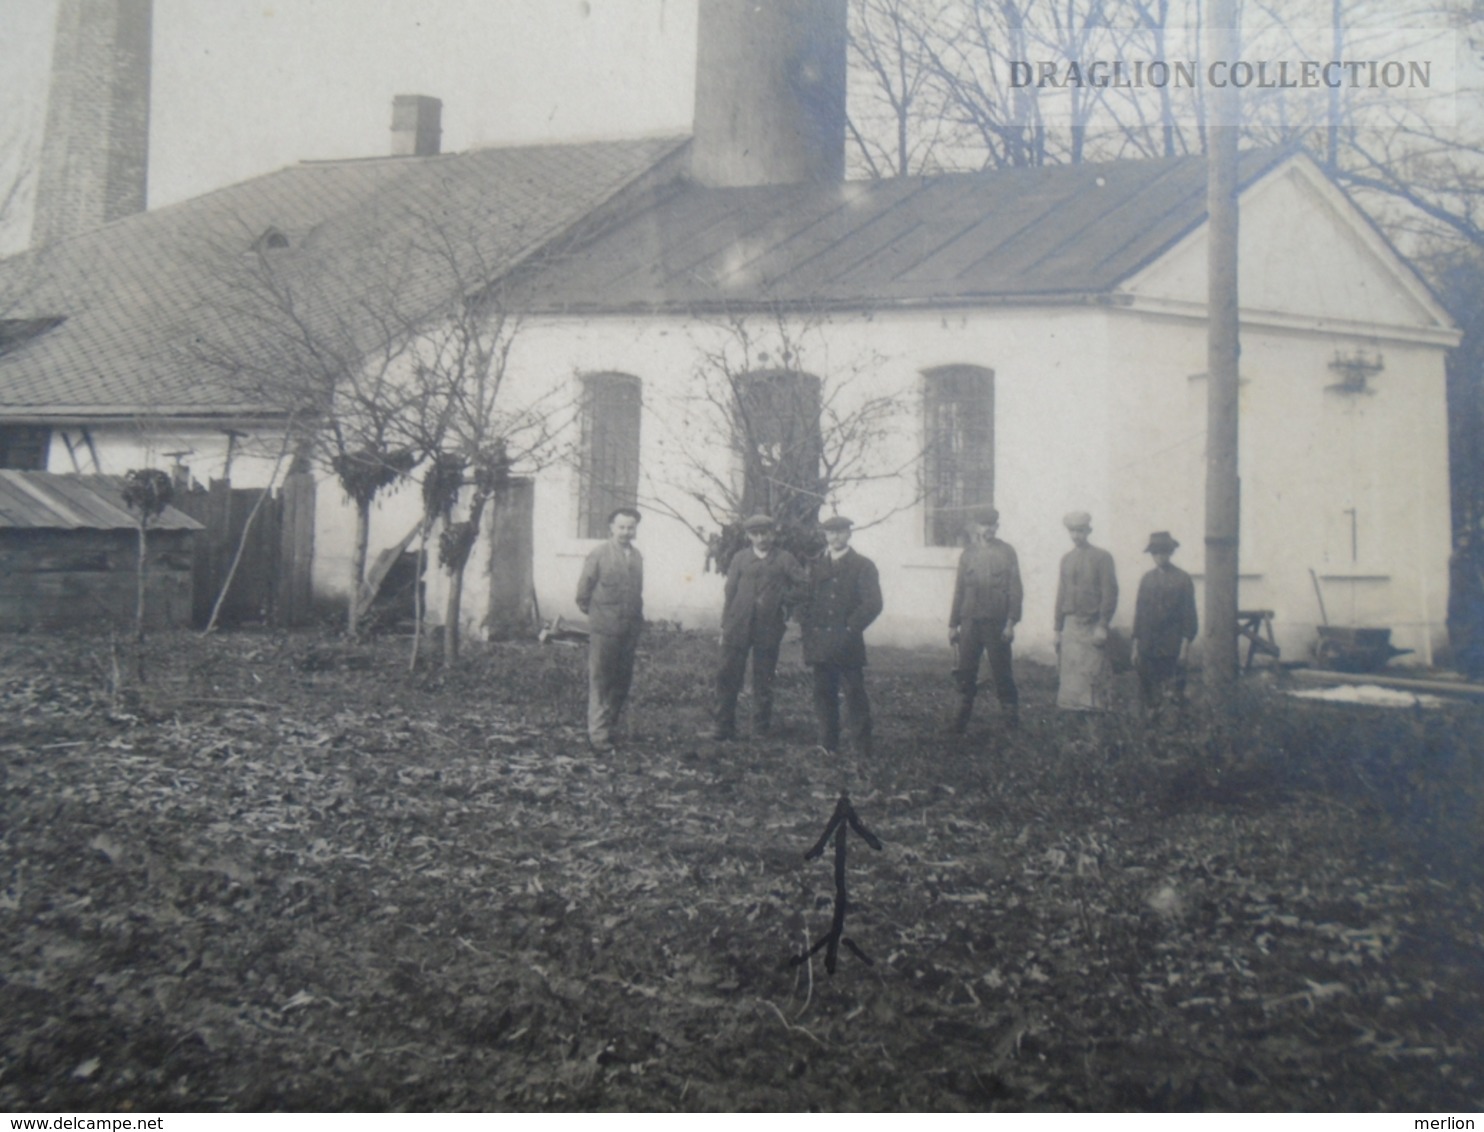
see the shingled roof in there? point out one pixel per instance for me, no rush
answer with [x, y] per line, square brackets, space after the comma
[1046, 233]
[134, 295]
[138, 296]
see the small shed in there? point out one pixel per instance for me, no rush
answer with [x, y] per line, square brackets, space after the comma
[69, 555]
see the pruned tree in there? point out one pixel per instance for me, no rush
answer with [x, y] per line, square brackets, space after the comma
[146, 492]
[770, 422]
[474, 433]
[380, 359]
[328, 353]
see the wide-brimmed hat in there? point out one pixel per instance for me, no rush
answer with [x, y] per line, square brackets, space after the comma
[985, 516]
[1161, 542]
[837, 523]
[1073, 520]
[758, 523]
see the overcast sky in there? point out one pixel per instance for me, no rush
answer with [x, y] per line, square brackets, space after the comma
[241, 87]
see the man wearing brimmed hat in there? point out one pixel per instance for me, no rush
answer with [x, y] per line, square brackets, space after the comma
[1086, 597]
[1164, 625]
[986, 606]
[762, 579]
[843, 597]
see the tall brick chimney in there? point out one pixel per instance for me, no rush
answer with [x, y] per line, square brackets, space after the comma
[770, 92]
[417, 125]
[95, 153]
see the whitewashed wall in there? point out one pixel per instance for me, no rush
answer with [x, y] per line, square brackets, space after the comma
[1051, 450]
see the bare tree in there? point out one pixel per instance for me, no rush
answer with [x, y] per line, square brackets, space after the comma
[897, 122]
[975, 68]
[769, 424]
[329, 354]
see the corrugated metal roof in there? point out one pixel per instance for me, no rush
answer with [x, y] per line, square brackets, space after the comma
[1024, 233]
[138, 294]
[45, 501]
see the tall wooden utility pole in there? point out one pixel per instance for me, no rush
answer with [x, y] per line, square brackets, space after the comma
[1223, 526]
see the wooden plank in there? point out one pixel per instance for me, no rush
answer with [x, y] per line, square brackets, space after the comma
[296, 549]
[1444, 687]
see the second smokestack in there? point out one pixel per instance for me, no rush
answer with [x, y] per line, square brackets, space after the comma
[770, 92]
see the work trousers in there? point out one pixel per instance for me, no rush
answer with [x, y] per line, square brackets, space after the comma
[729, 678]
[610, 671]
[978, 636]
[1160, 679]
[828, 679]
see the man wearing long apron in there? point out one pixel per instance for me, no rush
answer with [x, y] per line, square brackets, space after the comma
[1086, 596]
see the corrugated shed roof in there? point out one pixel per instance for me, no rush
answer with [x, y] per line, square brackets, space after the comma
[44, 501]
[1054, 231]
[138, 294]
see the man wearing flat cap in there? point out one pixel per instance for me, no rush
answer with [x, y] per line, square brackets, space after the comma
[843, 597]
[1164, 626]
[762, 580]
[986, 606]
[1086, 597]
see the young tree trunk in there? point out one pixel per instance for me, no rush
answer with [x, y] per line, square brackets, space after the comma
[417, 598]
[452, 611]
[451, 618]
[139, 593]
[358, 566]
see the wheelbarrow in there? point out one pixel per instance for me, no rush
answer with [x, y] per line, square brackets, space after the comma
[1354, 650]
[1343, 649]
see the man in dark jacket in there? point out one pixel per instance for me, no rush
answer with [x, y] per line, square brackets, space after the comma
[986, 607]
[761, 581]
[611, 593]
[844, 596]
[1164, 625]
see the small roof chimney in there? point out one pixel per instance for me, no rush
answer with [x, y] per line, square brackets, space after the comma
[770, 92]
[417, 125]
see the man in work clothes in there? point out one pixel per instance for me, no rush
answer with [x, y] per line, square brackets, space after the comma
[1164, 625]
[611, 593]
[761, 580]
[986, 606]
[843, 597]
[1086, 596]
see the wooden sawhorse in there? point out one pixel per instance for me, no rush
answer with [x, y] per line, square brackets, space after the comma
[1256, 626]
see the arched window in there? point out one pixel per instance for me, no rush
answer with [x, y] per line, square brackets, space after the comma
[958, 434]
[608, 456]
[777, 434]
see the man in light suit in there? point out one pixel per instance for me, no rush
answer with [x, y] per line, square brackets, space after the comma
[611, 593]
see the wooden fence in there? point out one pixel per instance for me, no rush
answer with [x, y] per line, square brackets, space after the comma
[272, 583]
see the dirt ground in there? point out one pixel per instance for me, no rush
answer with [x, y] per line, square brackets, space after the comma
[286, 873]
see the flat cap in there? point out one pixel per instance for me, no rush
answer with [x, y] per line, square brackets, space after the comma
[837, 523]
[758, 522]
[1075, 519]
[988, 516]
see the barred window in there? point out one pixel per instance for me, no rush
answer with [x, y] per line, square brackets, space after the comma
[958, 411]
[24, 447]
[608, 463]
[779, 439]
